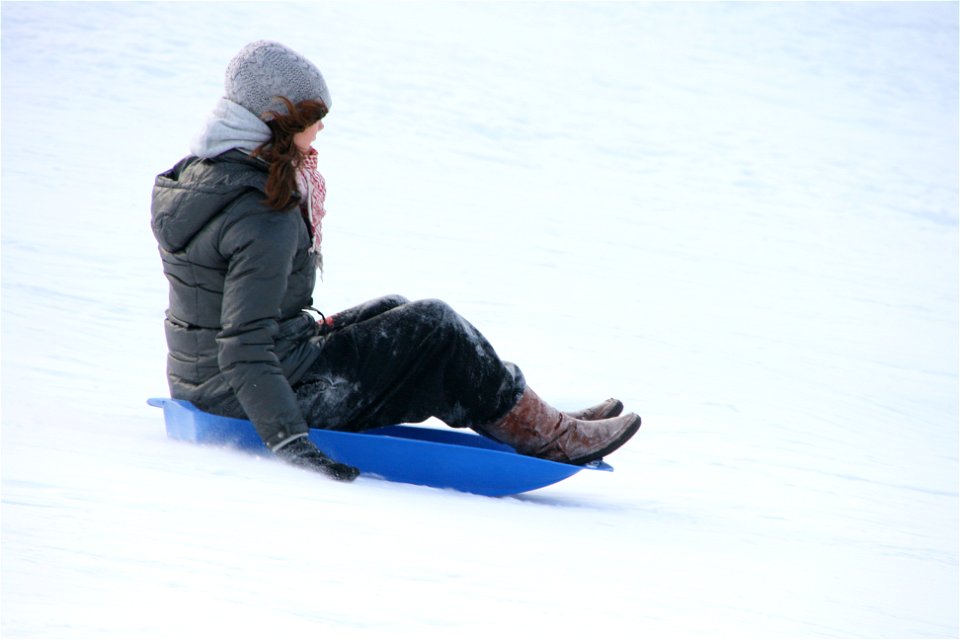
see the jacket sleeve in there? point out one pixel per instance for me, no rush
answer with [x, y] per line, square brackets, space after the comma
[260, 249]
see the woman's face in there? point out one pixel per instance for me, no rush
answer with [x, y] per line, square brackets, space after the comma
[305, 138]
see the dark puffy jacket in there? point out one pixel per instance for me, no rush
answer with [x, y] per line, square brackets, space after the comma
[240, 277]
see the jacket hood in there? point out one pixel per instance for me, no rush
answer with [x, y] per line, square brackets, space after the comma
[229, 126]
[194, 191]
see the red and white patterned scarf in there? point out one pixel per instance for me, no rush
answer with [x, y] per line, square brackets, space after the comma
[314, 190]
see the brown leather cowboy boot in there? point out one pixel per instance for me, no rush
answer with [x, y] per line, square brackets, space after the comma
[534, 428]
[609, 408]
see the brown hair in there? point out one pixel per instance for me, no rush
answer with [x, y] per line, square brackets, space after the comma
[281, 153]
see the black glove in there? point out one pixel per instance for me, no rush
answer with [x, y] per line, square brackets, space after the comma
[303, 453]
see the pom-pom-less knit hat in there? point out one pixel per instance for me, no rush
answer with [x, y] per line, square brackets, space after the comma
[265, 69]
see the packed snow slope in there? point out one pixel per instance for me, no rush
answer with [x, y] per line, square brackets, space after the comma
[741, 219]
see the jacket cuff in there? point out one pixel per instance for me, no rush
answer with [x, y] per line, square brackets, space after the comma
[278, 443]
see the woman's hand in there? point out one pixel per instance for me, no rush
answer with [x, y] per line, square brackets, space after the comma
[303, 453]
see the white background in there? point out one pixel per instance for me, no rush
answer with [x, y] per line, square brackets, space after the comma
[741, 219]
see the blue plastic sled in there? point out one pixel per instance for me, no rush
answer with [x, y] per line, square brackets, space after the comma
[401, 453]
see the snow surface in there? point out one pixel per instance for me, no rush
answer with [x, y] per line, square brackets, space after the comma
[741, 219]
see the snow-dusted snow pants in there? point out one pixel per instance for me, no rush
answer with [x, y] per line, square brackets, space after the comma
[390, 360]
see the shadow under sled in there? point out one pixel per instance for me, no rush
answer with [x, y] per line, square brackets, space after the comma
[439, 458]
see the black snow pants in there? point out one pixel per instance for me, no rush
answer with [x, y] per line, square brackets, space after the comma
[390, 361]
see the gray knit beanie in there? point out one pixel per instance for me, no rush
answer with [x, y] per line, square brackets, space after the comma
[264, 69]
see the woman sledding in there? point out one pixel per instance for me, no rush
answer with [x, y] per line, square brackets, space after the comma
[238, 223]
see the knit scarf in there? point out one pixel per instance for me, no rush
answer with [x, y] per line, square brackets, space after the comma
[314, 190]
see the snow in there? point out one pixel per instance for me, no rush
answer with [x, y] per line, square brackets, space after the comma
[741, 219]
